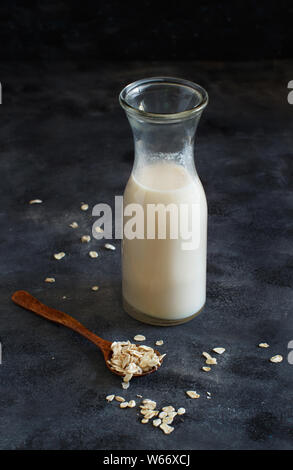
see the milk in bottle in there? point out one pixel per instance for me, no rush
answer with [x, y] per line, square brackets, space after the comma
[164, 278]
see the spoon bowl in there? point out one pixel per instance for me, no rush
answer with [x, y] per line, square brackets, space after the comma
[27, 301]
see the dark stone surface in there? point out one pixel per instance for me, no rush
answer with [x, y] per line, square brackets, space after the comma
[64, 139]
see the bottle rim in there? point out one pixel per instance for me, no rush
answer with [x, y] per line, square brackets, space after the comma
[200, 92]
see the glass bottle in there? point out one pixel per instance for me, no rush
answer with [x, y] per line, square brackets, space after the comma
[165, 210]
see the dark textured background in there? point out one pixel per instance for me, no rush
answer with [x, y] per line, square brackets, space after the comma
[146, 30]
[64, 139]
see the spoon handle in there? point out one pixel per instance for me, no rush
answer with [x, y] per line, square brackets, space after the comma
[27, 301]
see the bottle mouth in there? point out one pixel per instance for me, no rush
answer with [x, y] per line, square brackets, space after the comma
[163, 98]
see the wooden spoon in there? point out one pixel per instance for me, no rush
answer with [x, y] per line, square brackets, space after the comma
[26, 300]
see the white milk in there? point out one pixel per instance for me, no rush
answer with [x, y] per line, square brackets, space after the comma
[159, 278]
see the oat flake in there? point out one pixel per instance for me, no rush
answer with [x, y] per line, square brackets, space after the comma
[209, 358]
[277, 358]
[157, 422]
[120, 399]
[151, 404]
[108, 246]
[192, 394]
[50, 279]
[36, 201]
[149, 414]
[110, 397]
[93, 254]
[59, 255]
[124, 404]
[168, 419]
[168, 409]
[219, 350]
[139, 338]
[166, 428]
[127, 377]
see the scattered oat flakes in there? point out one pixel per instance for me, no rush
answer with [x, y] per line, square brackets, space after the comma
[160, 342]
[163, 414]
[110, 397]
[84, 207]
[219, 350]
[157, 422]
[120, 399]
[144, 421]
[206, 369]
[181, 411]
[124, 404]
[192, 394]
[93, 254]
[209, 358]
[139, 338]
[125, 385]
[98, 229]
[95, 288]
[166, 428]
[108, 246]
[139, 396]
[85, 239]
[73, 225]
[50, 279]
[131, 404]
[277, 358]
[59, 255]
[263, 345]
[36, 201]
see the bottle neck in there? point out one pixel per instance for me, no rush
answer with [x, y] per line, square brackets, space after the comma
[172, 142]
